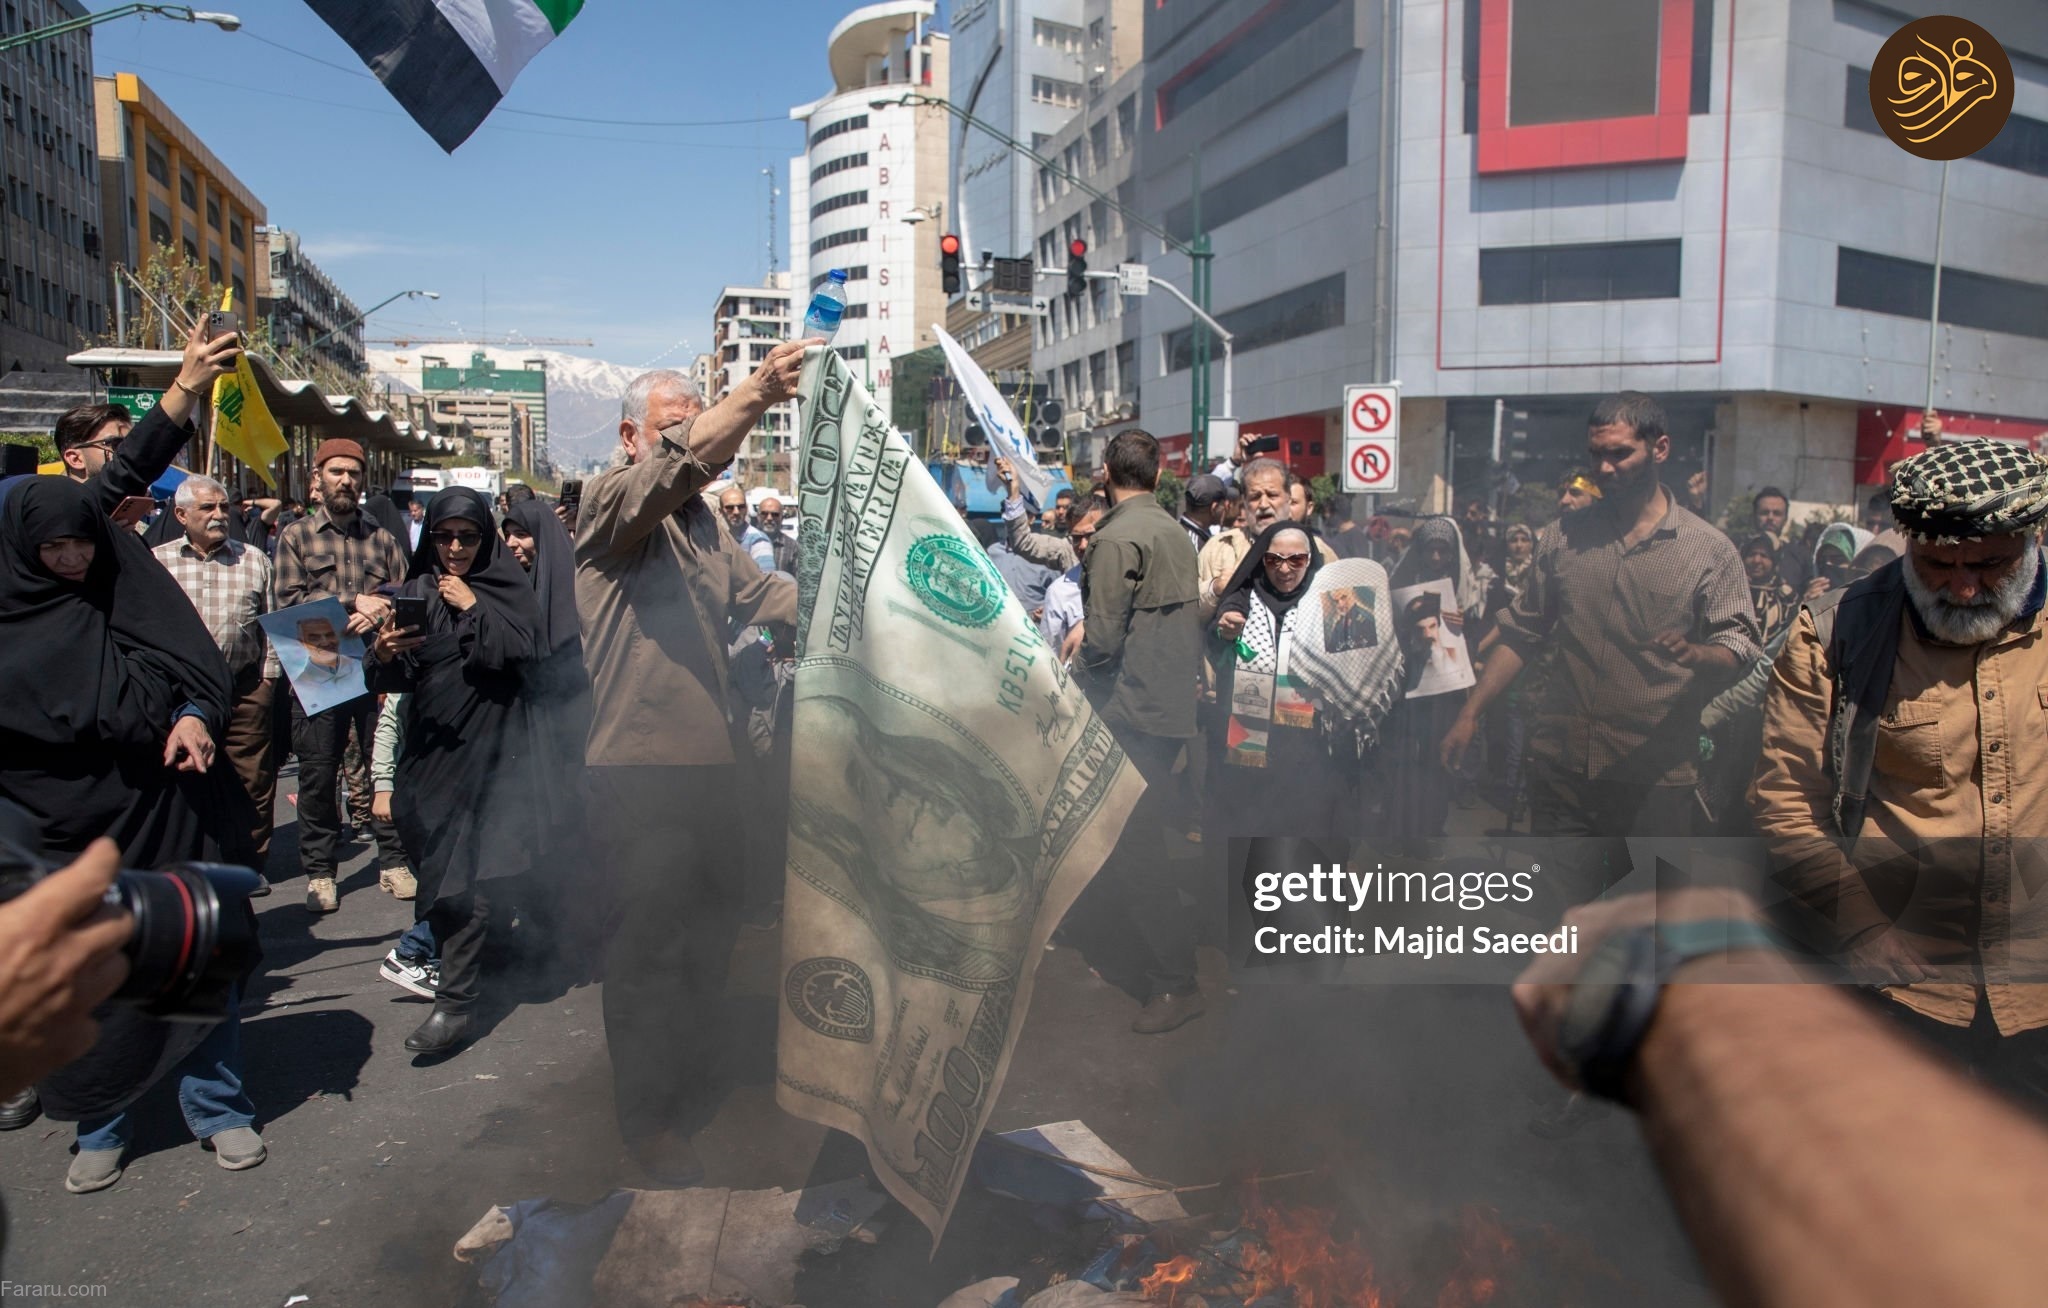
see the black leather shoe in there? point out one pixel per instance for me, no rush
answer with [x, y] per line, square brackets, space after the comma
[19, 1110]
[1163, 1013]
[441, 1033]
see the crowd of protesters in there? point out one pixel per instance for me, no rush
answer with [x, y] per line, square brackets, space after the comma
[594, 683]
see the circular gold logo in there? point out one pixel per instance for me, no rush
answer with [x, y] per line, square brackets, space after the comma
[1941, 87]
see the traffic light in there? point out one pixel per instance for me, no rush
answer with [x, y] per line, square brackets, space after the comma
[949, 264]
[1077, 266]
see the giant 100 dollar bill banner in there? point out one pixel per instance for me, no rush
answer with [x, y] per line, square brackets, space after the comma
[952, 793]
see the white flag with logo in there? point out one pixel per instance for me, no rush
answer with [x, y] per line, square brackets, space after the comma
[1005, 434]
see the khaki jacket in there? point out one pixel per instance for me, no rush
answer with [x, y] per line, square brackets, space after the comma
[1142, 654]
[659, 585]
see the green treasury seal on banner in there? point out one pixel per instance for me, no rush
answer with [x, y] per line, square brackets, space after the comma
[955, 580]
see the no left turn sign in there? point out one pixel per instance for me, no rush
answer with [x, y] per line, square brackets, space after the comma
[1370, 412]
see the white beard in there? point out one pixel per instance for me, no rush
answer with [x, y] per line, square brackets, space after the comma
[1981, 619]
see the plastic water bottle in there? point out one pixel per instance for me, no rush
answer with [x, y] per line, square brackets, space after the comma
[828, 302]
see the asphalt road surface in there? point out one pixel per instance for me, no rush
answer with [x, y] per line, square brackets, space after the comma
[1412, 1104]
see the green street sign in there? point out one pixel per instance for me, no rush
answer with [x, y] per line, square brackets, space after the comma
[134, 399]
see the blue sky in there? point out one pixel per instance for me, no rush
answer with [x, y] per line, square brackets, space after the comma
[622, 234]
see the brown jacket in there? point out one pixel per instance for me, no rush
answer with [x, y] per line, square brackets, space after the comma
[1950, 853]
[659, 585]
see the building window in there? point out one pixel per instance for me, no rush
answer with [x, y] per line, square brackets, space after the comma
[1316, 307]
[159, 230]
[846, 201]
[1272, 27]
[213, 271]
[1054, 91]
[1055, 36]
[1880, 283]
[191, 250]
[213, 213]
[1098, 144]
[851, 236]
[1557, 274]
[2022, 144]
[159, 167]
[1280, 173]
[187, 192]
[1126, 124]
[830, 130]
[839, 165]
[1127, 368]
[855, 311]
[241, 295]
[852, 353]
[1552, 44]
[857, 273]
[235, 232]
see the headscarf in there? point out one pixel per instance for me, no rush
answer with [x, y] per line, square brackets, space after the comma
[1464, 581]
[495, 575]
[554, 569]
[1251, 574]
[1966, 489]
[109, 658]
[384, 511]
[1842, 537]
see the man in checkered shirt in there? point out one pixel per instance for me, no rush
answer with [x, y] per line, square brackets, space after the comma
[230, 584]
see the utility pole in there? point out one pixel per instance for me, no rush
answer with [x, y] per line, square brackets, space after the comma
[769, 173]
[1934, 312]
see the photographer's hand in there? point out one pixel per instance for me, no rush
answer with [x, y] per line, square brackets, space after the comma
[60, 955]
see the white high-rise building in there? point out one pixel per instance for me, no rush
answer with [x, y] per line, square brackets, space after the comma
[746, 323]
[871, 172]
[1022, 68]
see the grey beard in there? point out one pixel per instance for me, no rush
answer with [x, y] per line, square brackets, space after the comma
[1982, 618]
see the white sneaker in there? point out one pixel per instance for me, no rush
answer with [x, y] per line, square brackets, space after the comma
[423, 979]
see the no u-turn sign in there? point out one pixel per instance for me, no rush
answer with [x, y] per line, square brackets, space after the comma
[1372, 439]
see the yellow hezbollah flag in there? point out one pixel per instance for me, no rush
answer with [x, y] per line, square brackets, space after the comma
[241, 420]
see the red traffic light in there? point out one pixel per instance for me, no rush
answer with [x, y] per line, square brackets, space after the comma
[949, 244]
[1077, 247]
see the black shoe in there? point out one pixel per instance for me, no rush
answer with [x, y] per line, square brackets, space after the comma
[20, 1110]
[441, 1033]
[262, 888]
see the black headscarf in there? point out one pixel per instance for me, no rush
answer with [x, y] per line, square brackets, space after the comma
[554, 569]
[495, 575]
[384, 511]
[107, 659]
[1251, 574]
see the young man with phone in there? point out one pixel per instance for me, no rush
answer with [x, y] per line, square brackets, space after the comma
[120, 458]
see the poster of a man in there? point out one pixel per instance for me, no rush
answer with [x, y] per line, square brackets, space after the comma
[321, 659]
[1432, 634]
[1347, 620]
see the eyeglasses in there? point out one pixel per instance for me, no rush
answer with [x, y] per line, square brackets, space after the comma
[466, 539]
[109, 445]
[771, 517]
[1286, 560]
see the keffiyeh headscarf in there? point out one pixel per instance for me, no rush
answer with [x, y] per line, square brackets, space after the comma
[1966, 489]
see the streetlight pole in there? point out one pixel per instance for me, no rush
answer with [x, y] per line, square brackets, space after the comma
[324, 337]
[1934, 313]
[1200, 256]
[225, 22]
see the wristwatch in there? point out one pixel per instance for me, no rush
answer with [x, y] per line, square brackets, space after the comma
[1621, 984]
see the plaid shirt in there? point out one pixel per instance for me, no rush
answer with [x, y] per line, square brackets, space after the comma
[231, 588]
[317, 557]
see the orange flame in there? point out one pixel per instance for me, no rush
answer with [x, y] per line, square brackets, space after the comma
[1170, 1276]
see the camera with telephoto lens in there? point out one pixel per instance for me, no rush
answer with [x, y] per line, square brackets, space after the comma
[194, 936]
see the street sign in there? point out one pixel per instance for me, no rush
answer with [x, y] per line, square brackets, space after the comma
[136, 400]
[1372, 439]
[983, 302]
[1222, 436]
[1133, 279]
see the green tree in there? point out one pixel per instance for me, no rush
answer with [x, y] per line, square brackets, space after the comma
[1169, 492]
[910, 389]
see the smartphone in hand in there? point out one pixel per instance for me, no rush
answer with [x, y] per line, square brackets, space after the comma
[410, 611]
[132, 510]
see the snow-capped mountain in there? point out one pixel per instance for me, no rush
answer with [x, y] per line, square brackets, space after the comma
[583, 394]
